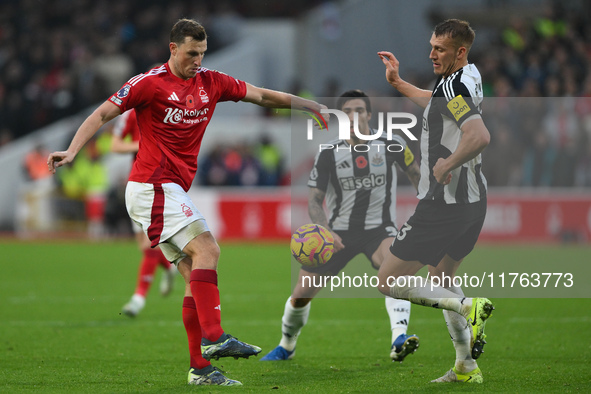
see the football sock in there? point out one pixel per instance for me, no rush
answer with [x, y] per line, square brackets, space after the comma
[146, 271]
[422, 292]
[460, 335]
[399, 312]
[291, 324]
[191, 322]
[204, 287]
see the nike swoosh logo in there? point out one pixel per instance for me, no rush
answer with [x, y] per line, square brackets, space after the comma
[475, 314]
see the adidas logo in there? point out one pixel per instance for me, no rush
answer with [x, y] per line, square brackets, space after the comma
[343, 165]
[403, 322]
[173, 96]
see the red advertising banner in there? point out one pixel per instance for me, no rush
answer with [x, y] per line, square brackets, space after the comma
[255, 216]
[512, 216]
[543, 217]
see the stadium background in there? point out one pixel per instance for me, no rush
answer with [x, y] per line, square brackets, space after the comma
[59, 59]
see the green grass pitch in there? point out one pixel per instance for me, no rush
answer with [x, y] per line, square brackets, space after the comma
[61, 329]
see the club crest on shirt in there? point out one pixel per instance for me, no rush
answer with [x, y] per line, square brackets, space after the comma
[186, 210]
[124, 91]
[203, 95]
[314, 174]
[377, 161]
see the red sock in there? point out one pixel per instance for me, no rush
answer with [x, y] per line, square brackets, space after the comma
[191, 321]
[146, 273]
[162, 260]
[204, 287]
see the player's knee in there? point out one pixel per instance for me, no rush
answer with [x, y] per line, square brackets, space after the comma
[435, 272]
[213, 250]
[203, 251]
[210, 255]
[441, 272]
[384, 289]
[382, 253]
[384, 282]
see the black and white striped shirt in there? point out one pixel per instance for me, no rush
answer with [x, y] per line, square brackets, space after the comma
[455, 99]
[360, 185]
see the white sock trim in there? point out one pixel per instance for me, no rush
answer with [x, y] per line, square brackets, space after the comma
[399, 313]
[292, 322]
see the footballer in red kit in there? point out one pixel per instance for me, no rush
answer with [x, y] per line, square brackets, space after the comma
[174, 104]
[173, 114]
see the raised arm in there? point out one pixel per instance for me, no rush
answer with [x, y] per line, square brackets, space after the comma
[89, 127]
[475, 137]
[418, 96]
[276, 99]
[316, 212]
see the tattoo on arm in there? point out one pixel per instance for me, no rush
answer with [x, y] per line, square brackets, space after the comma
[414, 174]
[315, 209]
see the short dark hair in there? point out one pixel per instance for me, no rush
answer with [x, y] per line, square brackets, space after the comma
[458, 30]
[353, 94]
[187, 28]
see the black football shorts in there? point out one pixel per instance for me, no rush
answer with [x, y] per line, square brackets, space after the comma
[356, 242]
[437, 229]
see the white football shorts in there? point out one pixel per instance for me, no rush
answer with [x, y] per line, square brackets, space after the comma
[166, 214]
[136, 227]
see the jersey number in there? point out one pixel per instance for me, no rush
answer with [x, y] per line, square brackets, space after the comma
[402, 233]
[391, 230]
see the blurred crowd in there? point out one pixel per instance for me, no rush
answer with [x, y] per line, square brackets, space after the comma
[243, 164]
[534, 141]
[60, 56]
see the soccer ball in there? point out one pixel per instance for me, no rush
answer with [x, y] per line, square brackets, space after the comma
[312, 245]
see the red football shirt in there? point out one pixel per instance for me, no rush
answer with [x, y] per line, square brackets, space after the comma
[172, 115]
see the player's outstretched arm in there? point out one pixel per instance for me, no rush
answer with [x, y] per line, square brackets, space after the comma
[475, 137]
[276, 99]
[418, 96]
[316, 212]
[89, 127]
